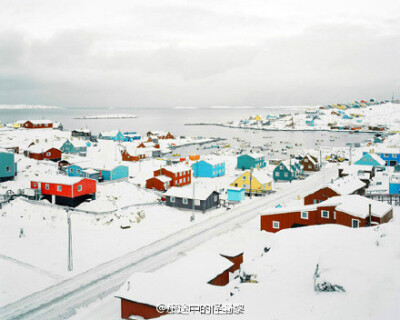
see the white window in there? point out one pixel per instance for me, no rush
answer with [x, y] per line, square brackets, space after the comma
[172, 199]
[8, 169]
[215, 198]
[180, 181]
[277, 174]
[306, 160]
[355, 223]
[48, 154]
[325, 214]
[393, 155]
[71, 170]
[46, 186]
[281, 167]
[244, 178]
[275, 224]
[79, 188]
[59, 188]
[184, 200]
[78, 171]
[286, 174]
[309, 166]
[334, 215]
[35, 185]
[196, 202]
[386, 155]
[304, 215]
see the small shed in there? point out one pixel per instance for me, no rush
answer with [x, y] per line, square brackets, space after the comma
[236, 194]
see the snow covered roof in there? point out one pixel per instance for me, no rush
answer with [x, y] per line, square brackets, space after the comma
[59, 179]
[163, 178]
[272, 211]
[358, 206]
[236, 188]
[5, 150]
[78, 143]
[90, 171]
[354, 168]
[40, 147]
[111, 133]
[311, 159]
[346, 185]
[183, 281]
[261, 176]
[201, 193]
[214, 162]
[177, 168]
[378, 159]
[40, 121]
[255, 155]
[83, 130]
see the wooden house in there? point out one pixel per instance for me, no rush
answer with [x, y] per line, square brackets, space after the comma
[180, 175]
[114, 135]
[339, 187]
[371, 159]
[236, 194]
[8, 166]
[160, 183]
[131, 136]
[37, 124]
[43, 152]
[251, 160]
[112, 171]
[64, 190]
[83, 170]
[287, 170]
[309, 163]
[256, 182]
[182, 198]
[82, 133]
[208, 168]
[74, 147]
[160, 135]
[131, 153]
[352, 211]
[391, 156]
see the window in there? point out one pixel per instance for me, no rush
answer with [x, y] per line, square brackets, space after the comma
[79, 188]
[355, 223]
[306, 160]
[286, 174]
[244, 178]
[48, 154]
[46, 186]
[34, 184]
[180, 181]
[71, 170]
[275, 224]
[334, 215]
[196, 202]
[215, 198]
[325, 214]
[309, 166]
[304, 215]
[386, 155]
[59, 188]
[393, 155]
[172, 199]
[277, 174]
[184, 200]
[281, 167]
[78, 171]
[8, 169]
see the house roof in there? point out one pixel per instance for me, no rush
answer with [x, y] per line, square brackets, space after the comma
[59, 179]
[162, 178]
[255, 155]
[201, 193]
[354, 168]
[236, 188]
[41, 147]
[346, 185]
[40, 121]
[358, 206]
[282, 210]
[177, 168]
[261, 176]
[213, 162]
[182, 275]
[111, 133]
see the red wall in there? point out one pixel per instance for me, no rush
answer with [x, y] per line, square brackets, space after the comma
[155, 183]
[221, 280]
[320, 195]
[127, 157]
[88, 187]
[30, 125]
[174, 177]
[54, 154]
[129, 308]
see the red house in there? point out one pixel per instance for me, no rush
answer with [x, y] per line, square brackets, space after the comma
[180, 175]
[64, 190]
[160, 134]
[37, 124]
[339, 187]
[128, 155]
[40, 152]
[352, 211]
[185, 281]
[160, 183]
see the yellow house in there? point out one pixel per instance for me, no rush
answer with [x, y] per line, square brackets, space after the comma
[260, 181]
[258, 118]
[18, 124]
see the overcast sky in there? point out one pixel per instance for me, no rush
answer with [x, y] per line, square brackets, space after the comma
[197, 52]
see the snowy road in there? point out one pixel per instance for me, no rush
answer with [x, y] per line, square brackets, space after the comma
[60, 300]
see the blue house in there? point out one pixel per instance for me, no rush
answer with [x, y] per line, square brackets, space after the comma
[74, 147]
[8, 166]
[236, 194]
[394, 185]
[391, 157]
[209, 168]
[287, 171]
[346, 116]
[131, 136]
[114, 135]
[371, 159]
[75, 170]
[251, 160]
[310, 123]
[113, 172]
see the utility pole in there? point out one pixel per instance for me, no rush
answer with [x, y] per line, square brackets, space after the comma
[370, 215]
[251, 179]
[320, 158]
[193, 200]
[70, 263]
[350, 155]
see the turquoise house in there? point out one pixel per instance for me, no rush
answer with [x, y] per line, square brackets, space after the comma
[310, 123]
[111, 173]
[114, 135]
[131, 136]
[208, 169]
[287, 171]
[371, 159]
[252, 160]
[8, 166]
[75, 170]
[236, 194]
[74, 147]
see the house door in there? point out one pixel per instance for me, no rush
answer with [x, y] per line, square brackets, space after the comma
[392, 163]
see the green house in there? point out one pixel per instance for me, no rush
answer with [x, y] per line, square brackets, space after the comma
[287, 170]
[251, 160]
[8, 166]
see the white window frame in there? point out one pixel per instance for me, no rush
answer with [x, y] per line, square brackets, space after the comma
[185, 200]
[34, 184]
[358, 223]
[80, 188]
[197, 202]
[244, 178]
[286, 175]
[46, 186]
[277, 174]
[48, 154]
[215, 198]
[334, 214]
[71, 170]
[172, 199]
[322, 214]
[275, 224]
[59, 188]
[304, 217]
[8, 169]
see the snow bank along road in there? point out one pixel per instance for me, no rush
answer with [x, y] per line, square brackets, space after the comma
[61, 300]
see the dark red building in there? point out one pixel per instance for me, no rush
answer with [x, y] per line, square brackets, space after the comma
[160, 183]
[351, 211]
[180, 175]
[38, 152]
[64, 190]
[37, 124]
